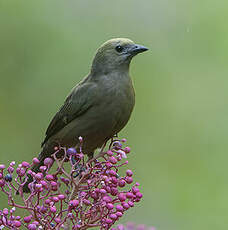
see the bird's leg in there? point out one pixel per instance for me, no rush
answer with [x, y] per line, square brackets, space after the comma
[101, 154]
[102, 149]
[112, 140]
[90, 158]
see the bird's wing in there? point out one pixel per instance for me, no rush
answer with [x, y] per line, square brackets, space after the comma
[81, 98]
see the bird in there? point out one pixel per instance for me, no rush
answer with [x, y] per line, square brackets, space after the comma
[99, 106]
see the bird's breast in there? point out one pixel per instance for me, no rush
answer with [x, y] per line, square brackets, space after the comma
[116, 104]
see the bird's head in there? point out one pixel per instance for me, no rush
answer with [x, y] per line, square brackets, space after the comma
[115, 54]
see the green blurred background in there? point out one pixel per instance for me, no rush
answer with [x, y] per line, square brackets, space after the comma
[178, 131]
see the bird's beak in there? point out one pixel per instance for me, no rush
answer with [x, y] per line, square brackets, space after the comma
[137, 49]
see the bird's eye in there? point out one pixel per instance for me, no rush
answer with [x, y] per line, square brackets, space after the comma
[119, 48]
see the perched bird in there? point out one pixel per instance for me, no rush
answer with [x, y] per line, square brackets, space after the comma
[99, 106]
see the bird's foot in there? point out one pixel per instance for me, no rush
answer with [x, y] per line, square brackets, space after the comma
[90, 160]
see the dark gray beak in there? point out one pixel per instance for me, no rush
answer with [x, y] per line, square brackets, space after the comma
[138, 49]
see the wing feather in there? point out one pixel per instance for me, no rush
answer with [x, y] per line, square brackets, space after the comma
[78, 102]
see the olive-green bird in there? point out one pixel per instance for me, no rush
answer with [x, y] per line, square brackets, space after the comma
[99, 106]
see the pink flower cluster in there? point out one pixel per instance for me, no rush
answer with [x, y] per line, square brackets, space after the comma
[133, 226]
[68, 192]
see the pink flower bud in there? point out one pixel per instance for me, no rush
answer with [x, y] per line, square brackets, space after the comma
[43, 168]
[114, 180]
[10, 169]
[139, 195]
[2, 183]
[5, 211]
[108, 165]
[32, 227]
[108, 189]
[35, 161]
[47, 201]
[119, 214]
[107, 199]
[121, 183]
[38, 186]
[44, 183]
[2, 166]
[112, 173]
[114, 191]
[49, 177]
[43, 209]
[119, 208]
[57, 220]
[12, 163]
[74, 203]
[86, 202]
[48, 161]
[20, 172]
[35, 222]
[39, 176]
[112, 160]
[135, 190]
[55, 199]
[129, 195]
[53, 184]
[121, 227]
[129, 180]
[107, 180]
[103, 191]
[129, 172]
[27, 219]
[97, 190]
[26, 164]
[61, 196]
[29, 171]
[108, 221]
[122, 196]
[131, 203]
[53, 209]
[125, 205]
[122, 154]
[70, 215]
[109, 153]
[127, 149]
[113, 216]
[109, 206]
[17, 223]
